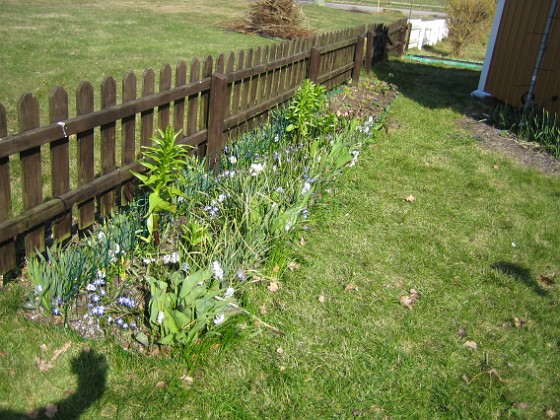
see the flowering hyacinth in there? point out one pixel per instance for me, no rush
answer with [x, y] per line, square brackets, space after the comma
[126, 301]
[185, 266]
[56, 311]
[306, 188]
[95, 298]
[241, 275]
[232, 160]
[91, 287]
[212, 209]
[305, 214]
[160, 317]
[98, 310]
[219, 319]
[229, 292]
[101, 237]
[256, 168]
[221, 198]
[217, 270]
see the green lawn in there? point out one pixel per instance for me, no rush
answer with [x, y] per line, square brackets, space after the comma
[474, 244]
[436, 5]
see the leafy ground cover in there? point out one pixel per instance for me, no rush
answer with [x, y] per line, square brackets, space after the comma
[425, 287]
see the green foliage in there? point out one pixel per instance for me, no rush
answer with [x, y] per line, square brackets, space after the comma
[469, 21]
[309, 113]
[533, 124]
[183, 306]
[165, 161]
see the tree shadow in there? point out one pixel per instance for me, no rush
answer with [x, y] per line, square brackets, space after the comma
[91, 369]
[520, 273]
[432, 86]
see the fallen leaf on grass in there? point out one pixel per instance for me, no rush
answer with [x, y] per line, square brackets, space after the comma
[350, 287]
[471, 345]
[280, 350]
[410, 199]
[356, 412]
[321, 299]
[518, 322]
[292, 265]
[262, 309]
[273, 287]
[276, 268]
[50, 410]
[462, 332]
[551, 414]
[43, 365]
[546, 280]
[161, 385]
[521, 405]
[60, 351]
[32, 413]
[409, 301]
[496, 167]
[302, 241]
[189, 380]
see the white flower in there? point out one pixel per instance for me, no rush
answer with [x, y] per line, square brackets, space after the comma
[256, 168]
[221, 198]
[148, 261]
[39, 288]
[185, 266]
[91, 287]
[180, 199]
[219, 319]
[232, 160]
[229, 292]
[101, 274]
[117, 248]
[355, 153]
[160, 317]
[217, 269]
[306, 188]
[101, 237]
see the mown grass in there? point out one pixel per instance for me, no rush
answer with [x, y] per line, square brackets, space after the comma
[474, 243]
[437, 5]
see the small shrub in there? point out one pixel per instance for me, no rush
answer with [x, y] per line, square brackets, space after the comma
[469, 21]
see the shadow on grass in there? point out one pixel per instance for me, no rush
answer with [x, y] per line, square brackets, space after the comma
[432, 86]
[520, 273]
[91, 369]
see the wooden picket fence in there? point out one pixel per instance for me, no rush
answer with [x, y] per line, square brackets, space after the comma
[215, 101]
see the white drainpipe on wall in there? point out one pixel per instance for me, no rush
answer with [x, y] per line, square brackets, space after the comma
[480, 92]
[540, 56]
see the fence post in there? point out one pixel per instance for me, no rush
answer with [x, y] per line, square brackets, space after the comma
[369, 50]
[7, 249]
[404, 35]
[314, 61]
[358, 55]
[219, 101]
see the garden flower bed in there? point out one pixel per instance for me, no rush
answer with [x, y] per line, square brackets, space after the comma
[174, 265]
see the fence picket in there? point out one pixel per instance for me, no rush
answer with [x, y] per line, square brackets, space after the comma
[164, 85]
[147, 117]
[28, 111]
[108, 158]
[179, 104]
[205, 103]
[193, 101]
[84, 105]
[7, 248]
[128, 149]
[60, 160]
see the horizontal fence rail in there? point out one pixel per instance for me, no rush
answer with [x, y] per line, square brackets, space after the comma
[89, 156]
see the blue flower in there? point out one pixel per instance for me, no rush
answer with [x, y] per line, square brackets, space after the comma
[98, 310]
[126, 301]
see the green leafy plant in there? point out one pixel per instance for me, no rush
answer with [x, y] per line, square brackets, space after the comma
[308, 112]
[165, 162]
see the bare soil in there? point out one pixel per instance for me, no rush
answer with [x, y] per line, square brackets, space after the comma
[502, 141]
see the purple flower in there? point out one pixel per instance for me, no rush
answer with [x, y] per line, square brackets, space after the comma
[98, 310]
[126, 301]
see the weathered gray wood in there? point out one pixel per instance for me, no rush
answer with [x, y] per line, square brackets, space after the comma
[147, 116]
[108, 150]
[7, 247]
[179, 104]
[164, 85]
[128, 135]
[28, 110]
[84, 105]
[60, 160]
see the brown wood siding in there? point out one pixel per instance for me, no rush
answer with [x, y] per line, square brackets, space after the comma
[515, 54]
